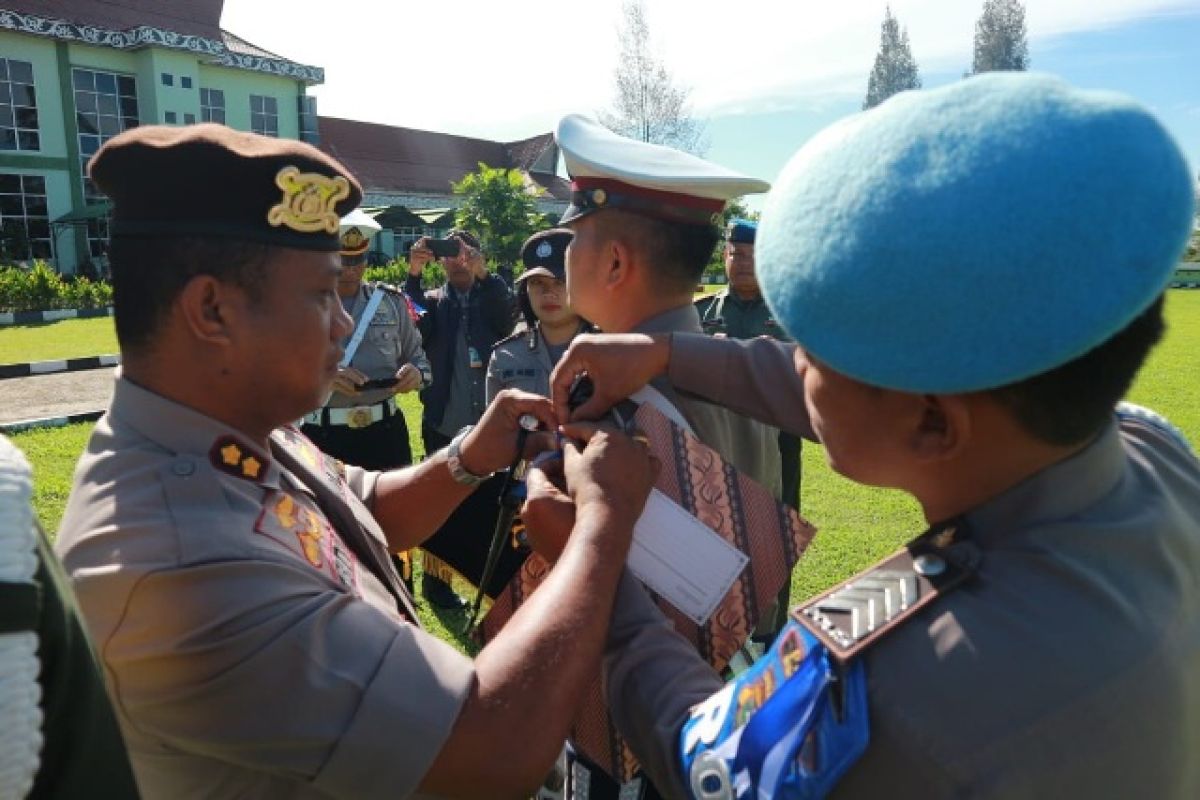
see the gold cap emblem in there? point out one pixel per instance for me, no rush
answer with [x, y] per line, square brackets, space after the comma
[308, 201]
[353, 242]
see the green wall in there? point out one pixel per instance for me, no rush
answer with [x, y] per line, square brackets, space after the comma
[238, 85]
[41, 54]
[58, 158]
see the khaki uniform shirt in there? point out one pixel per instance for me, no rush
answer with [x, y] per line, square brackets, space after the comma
[522, 361]
[1068, 667]
[751, 447]
[390, 342]
[248, 648]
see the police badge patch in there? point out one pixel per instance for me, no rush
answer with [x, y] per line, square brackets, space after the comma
[293, 520]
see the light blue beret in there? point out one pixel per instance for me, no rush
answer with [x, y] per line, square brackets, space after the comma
[972, 236]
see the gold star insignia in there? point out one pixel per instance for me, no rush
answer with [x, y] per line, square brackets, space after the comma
[251, 467]
[231, 454]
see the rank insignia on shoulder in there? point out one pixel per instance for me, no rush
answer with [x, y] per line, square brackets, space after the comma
[234, 457]
[792, 724]
[859, 611]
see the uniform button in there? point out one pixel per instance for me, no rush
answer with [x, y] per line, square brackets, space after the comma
[183, 468]
[929, 565]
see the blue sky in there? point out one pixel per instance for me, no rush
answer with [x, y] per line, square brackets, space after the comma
[765, 74]
[1156, 59]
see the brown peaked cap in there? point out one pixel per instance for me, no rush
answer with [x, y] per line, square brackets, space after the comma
[211, 180]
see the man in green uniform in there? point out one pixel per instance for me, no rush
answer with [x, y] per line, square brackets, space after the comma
[59, 737]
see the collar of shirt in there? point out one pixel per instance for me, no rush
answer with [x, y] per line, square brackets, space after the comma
[1059, 491]
[754, 302]
[684, 319]
[179, 429]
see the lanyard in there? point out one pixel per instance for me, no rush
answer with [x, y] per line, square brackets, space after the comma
[363, 323]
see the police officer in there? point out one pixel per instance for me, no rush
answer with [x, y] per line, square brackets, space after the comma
[526, 359]
[361, 423]
[60, 736]
[253, 634]
[967, 321]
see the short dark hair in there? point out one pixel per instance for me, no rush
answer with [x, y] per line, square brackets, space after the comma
[1071, 403]
[149, 273]
[471, 239]
[679, 251]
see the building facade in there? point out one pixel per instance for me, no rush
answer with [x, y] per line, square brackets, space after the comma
[75, 74]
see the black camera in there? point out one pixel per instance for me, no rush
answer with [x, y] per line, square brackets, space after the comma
[444, 248]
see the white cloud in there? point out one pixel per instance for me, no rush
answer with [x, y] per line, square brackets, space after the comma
[506, 70]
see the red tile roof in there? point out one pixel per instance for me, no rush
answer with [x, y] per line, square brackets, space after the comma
[390, 159]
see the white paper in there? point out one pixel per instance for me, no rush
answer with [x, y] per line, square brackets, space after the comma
[681, 559]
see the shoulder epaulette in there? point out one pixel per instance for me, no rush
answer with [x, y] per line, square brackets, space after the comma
[858, 612]
[512, 337]
[234, 457]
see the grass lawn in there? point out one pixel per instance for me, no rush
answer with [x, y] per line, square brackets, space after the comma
[857, 524]
[68, 338]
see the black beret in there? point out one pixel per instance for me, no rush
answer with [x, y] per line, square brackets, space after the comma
[210, 180]
[544, 253]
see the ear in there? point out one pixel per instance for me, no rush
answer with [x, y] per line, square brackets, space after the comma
[620, 264]
[209, 309]
[943, 427]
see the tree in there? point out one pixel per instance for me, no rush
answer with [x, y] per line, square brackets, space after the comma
[649, 106]
[895, 69]
[1000, 37]
[499, 208]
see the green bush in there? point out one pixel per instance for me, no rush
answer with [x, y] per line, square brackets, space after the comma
[41, 288]
[395, 272]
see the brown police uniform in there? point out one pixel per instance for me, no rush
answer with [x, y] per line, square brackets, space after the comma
[748, 445]
[254, 636]
[250, 648]
[1074, 648]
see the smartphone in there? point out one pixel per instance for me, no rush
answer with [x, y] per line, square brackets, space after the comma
[444, 248]
[379, 383]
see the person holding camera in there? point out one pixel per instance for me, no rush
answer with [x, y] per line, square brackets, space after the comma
[463, 322]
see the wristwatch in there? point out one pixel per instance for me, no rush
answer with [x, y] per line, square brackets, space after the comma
[454, 460]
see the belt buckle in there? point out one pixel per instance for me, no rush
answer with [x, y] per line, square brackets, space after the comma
[359, 417]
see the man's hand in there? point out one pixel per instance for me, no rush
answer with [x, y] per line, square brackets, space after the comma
[418, 256]
[409, 378]
[492, 445]
[601, 470]
[618, 365]
[474, 261]
[548, 512]
[347, 381]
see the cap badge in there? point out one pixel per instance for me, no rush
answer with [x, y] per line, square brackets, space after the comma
[599, 197]
[308, 201]
[353, 239]
[544, 250]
